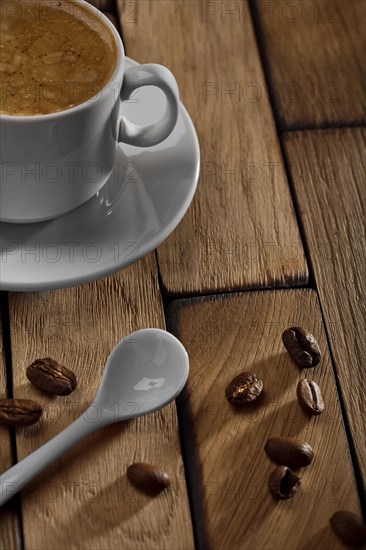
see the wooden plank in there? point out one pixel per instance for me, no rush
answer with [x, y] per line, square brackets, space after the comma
[241, 229]
[225, 335]
[329, 173]
[85, 497]
[9, 524]
[315, 53]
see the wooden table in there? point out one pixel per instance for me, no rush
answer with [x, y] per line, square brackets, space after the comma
[274, 237]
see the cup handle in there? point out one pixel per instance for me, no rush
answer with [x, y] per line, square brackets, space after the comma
[149, 75]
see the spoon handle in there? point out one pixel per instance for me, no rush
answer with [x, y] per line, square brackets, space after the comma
[14, 479]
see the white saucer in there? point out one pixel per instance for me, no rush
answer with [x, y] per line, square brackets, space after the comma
[141, 204]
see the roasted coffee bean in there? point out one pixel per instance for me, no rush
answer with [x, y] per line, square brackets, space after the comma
[19, 412]
[244, 389]
[283, 483]
[148, 478]
[290, 452]
[51, 377]
[349, 528]
[302, 347]
[310, 397]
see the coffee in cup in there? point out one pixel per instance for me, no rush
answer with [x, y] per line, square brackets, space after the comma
[53, 56]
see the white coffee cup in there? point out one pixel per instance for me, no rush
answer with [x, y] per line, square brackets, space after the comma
[53, 163]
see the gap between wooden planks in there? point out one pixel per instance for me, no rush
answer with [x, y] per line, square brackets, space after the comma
[9, 523]
[226, 335]
[240, 230]
[328, 169]
[315, 57]
[85, 500]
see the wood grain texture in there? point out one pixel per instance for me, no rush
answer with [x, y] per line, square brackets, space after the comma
[226, 335]
[9, 524]
[329, 173]
[240, 230]
[85, 498]
[315, 55]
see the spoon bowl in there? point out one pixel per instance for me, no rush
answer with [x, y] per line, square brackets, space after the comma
[144, 372]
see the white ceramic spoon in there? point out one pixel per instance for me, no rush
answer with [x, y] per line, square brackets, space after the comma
[144, 372]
